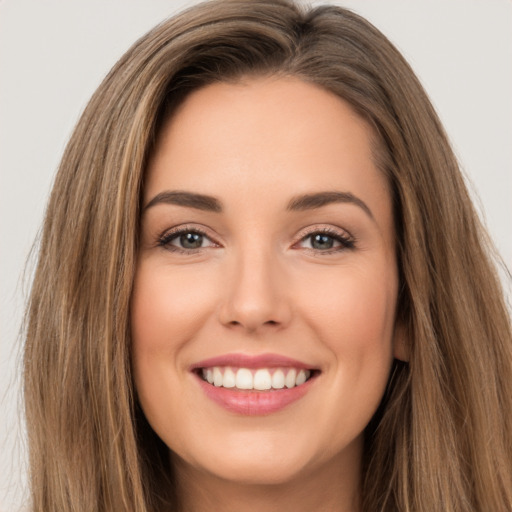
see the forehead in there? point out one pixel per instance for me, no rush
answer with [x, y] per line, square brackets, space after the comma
[262, 135]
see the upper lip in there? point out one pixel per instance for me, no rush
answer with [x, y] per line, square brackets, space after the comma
[252, 361]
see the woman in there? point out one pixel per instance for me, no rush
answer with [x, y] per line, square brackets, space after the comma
[269, 287]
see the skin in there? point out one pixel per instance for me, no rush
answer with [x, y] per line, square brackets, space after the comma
[259, 285]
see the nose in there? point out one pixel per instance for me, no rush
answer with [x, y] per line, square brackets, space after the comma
[255, 297]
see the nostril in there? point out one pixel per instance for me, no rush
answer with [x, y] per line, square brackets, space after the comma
[236, 323]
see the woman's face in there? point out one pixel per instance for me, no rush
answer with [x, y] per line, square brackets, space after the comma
[267, 257]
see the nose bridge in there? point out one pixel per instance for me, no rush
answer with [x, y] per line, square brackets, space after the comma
[255, 294]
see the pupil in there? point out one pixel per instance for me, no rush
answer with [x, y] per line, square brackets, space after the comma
[191, 240]
[322, 242]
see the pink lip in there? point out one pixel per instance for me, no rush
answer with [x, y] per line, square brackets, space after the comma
[249, 361]
[252, 403]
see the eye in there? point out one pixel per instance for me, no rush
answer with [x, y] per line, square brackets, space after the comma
[326, 241]
[185, 240]
[189, 240]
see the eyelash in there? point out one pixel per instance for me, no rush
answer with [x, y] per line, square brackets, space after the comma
[346, 242]
[166, 238]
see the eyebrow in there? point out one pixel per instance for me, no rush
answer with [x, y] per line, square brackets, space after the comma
[298, 203]
[319, 199]
[188, 199]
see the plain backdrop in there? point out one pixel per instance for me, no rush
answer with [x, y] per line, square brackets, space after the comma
[53, 54]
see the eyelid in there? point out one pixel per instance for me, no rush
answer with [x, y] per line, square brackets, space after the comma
[164, 239]
[346, 239]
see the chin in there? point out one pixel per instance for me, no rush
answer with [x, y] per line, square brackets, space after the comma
[260, 460]
[268, 472]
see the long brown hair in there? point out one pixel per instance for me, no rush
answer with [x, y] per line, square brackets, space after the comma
[441, 440]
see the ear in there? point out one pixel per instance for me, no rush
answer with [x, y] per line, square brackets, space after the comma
[401, 347]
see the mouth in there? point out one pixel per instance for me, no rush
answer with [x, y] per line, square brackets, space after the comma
[254, 385]
[257, 379]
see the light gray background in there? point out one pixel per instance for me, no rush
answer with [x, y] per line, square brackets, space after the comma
[53, 54]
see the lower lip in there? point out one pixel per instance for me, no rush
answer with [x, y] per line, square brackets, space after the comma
[253, 403]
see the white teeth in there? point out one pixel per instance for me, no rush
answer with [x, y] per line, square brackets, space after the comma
[278, 379]
[289, 381]
[229, 378]
[301, 378]
[217, 377]
[244, 379]
[261, 379]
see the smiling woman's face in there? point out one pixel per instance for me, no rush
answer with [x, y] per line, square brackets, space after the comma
[267, 257]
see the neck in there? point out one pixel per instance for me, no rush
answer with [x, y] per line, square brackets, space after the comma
[332, 487]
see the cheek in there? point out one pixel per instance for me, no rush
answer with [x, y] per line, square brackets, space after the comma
[167, 308]
[356, 324]
[354, 319]
[355, 309]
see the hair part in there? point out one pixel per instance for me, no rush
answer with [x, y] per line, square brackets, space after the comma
[439, 440]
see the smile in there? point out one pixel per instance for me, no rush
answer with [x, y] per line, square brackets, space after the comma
[261, 379]
[254, 384]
